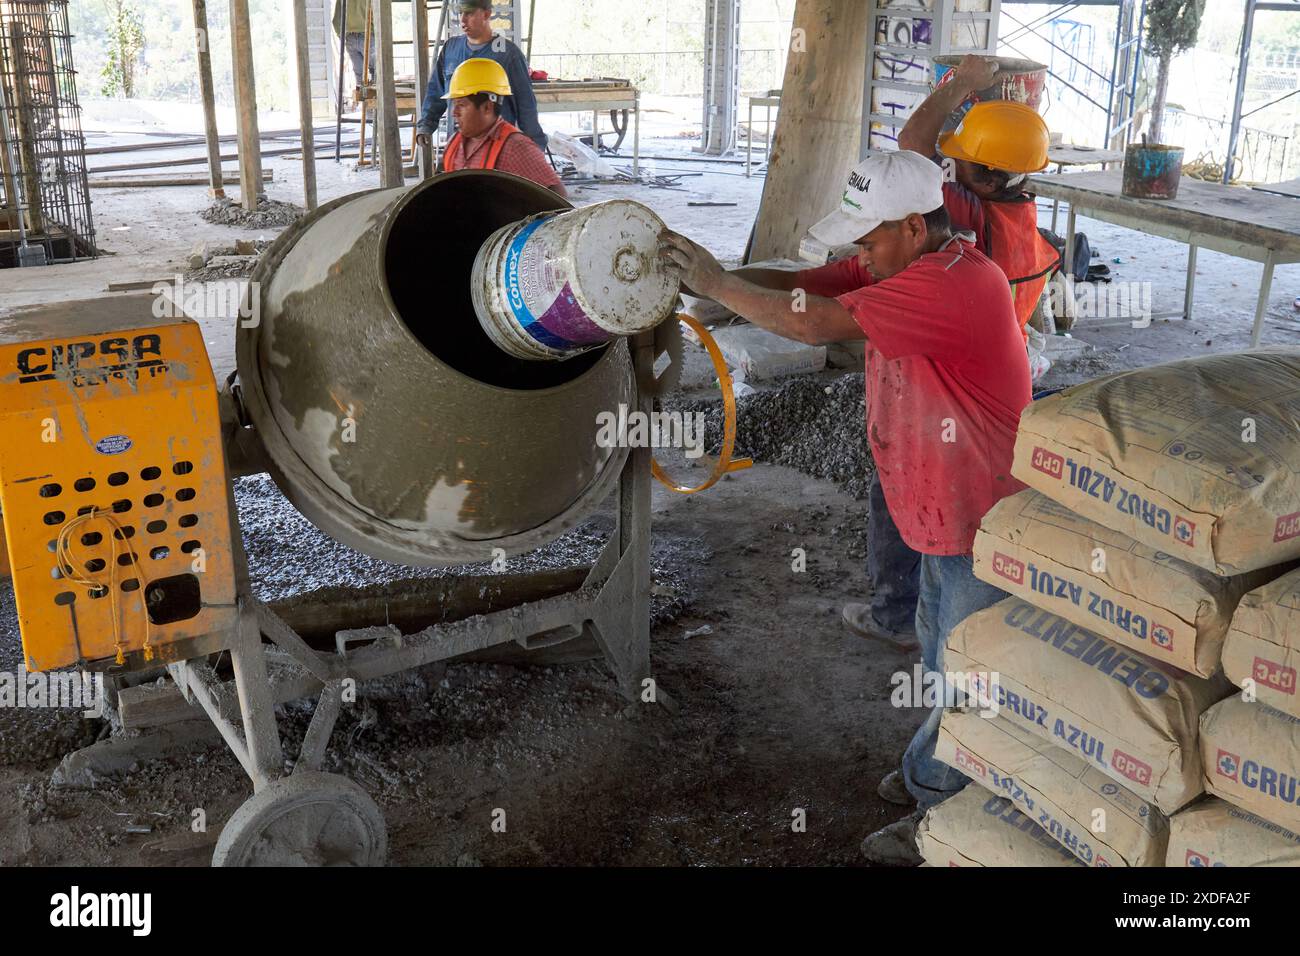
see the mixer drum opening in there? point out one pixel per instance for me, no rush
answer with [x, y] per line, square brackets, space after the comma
[429, 251]
[388, 416]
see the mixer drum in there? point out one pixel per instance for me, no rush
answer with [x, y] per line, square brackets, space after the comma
[389, 417]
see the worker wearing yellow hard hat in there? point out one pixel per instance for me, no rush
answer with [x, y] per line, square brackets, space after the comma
[484, 139]
[990, 153]
[478, 75]
[999, 134]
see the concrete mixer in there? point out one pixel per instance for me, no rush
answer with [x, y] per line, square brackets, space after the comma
[384, 411]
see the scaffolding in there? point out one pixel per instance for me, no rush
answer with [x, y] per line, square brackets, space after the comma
[1117, 104]
[44, 197]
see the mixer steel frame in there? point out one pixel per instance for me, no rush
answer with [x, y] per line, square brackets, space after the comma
[612, 606]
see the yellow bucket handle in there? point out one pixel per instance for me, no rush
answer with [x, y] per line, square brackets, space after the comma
[725, 464]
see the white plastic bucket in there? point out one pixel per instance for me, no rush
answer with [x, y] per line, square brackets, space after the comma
[555, 285]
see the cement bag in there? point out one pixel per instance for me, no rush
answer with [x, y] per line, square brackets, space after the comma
[1092, 816]
[1035, 548]
[1212, 832]
[1132, 717]
[976, 828]
[1163, 455]
[1252, 758]
[763, 355]
[1263, 643]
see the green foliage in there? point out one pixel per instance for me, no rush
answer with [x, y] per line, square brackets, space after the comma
[125, 43]
[1172, 26]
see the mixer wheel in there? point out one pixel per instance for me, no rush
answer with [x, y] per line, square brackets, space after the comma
[306, 819]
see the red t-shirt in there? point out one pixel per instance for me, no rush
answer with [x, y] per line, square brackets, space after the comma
[947, 378]
[965, 211]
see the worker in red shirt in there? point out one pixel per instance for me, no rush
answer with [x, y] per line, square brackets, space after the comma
[483, 139]
[988, 157]
[946, 381]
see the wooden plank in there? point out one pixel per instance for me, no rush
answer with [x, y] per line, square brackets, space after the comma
[1070, 155]
[819, 128]
[208, 94]
[386, 134]
[250, 161]
[174, 179]
[1230, 212]
[1290, 187]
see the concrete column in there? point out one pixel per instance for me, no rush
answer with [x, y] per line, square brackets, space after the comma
[819, 127]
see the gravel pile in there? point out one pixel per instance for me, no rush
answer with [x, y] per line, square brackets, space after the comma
[270, 213]
[806, 423]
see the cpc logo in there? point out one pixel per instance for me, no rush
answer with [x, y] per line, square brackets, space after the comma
[1196, 859]
[970, 763]
[1009, 568]
[1288, 526]
[1227, 765]
[1185, 531]
[1049, 463]
[1131, 767]
[1162, 637]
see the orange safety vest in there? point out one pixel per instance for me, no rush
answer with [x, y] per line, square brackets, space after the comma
[1016, 245]
[500, 133]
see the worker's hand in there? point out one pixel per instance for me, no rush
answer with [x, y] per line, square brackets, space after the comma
[422, 139]
[698, 269]
[976, 72]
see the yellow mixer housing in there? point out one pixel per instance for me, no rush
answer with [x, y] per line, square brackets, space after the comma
[112, 441]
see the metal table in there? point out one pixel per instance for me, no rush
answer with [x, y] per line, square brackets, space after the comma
[1072, 155]
[767, 102]
[1230, 219]
[597, 95]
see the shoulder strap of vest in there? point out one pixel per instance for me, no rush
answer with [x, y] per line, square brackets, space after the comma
[500, 135]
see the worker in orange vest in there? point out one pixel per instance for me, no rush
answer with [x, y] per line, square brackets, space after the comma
[990, 153]
[484, 140]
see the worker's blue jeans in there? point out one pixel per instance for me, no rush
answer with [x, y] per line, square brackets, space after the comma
[949, 593]
[893, 568]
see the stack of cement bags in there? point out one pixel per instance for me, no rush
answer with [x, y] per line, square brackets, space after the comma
[1150, 567]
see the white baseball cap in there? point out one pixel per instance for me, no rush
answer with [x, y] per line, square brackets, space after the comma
[884, 187]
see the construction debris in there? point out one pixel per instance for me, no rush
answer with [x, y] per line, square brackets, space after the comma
[225, 262]
[270, 214]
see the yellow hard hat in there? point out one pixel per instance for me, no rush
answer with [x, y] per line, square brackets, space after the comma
[1000, 134]
[478, 75]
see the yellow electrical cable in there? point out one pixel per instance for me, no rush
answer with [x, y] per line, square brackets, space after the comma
[68, 564]
[725, 464]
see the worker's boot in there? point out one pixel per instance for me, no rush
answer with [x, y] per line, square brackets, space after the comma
[894, 845]
[892, 789]
[859, 620]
